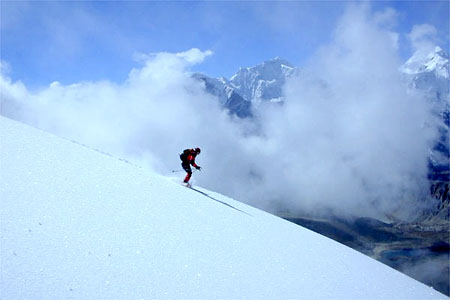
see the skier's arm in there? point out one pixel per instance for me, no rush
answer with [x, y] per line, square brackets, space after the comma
[194, 164]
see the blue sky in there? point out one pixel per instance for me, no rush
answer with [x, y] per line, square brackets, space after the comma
[69, 42]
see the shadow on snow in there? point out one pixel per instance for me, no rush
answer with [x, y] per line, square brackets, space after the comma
[217, 200]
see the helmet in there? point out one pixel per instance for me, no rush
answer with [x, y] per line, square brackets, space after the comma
[197, 150]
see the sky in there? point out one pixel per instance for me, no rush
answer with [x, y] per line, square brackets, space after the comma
[349, 139]
[74, 41]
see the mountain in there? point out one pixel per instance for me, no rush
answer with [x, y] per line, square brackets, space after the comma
[429, 73]
[76, 223]
[263, 82]
[249, 87]
[228, 96]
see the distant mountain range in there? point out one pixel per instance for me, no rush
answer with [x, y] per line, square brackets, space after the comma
[428, 73]
[250, 86]
[246, 89]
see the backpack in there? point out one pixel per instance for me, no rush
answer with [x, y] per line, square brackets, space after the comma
[185, 154]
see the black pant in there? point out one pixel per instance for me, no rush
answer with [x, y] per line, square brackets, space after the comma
[187, 167]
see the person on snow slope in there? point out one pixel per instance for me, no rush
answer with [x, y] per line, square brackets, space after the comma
[187, 159]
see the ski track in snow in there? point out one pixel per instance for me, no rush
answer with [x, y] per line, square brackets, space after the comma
[217, 200]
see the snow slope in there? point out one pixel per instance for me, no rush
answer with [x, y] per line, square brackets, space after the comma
[76, 223]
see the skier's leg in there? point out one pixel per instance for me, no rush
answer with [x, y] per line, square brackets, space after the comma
[188, 176]
[188, 170]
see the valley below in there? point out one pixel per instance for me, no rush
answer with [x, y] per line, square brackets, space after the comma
[419, 250]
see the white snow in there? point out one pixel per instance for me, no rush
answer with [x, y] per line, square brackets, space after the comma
[264, 81]
[436, 61]
[76, 223]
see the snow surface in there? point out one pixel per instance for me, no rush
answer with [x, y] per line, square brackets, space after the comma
[436, 61]
[76, 223]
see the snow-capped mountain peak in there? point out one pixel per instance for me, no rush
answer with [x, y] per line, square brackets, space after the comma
[429, 72]
[438, 62]
[251, 86]
[273, 69]
[263, 82]
[435, 61]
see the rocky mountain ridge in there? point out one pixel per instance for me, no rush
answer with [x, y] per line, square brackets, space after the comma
[251, 86]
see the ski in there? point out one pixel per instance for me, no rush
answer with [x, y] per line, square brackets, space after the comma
[188, 185]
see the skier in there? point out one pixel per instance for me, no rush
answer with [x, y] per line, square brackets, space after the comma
[188, 159]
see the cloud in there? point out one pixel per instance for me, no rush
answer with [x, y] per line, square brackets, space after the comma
[194, 56]
[349, 140]
[5, 67]
[157, 112]
[388, 17]
[13, 95]
[423, 37]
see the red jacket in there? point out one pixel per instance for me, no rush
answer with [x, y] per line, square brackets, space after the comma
[190, 159]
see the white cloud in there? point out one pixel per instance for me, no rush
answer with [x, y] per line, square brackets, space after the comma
[194, 56]
[360, 138]
[423, 37]
[388, 17]
[349, 138]
[159, 106]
